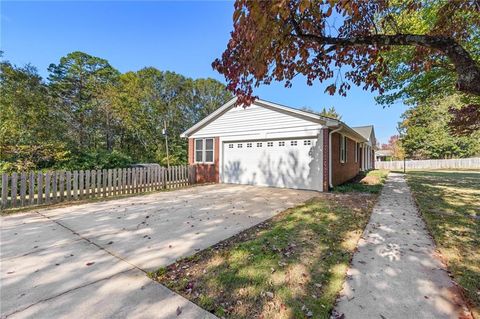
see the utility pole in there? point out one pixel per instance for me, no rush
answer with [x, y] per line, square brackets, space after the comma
[164, 132]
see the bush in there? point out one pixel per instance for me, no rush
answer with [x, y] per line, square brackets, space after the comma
[96, 160]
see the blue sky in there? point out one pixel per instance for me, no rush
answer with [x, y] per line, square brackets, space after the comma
[184, 37]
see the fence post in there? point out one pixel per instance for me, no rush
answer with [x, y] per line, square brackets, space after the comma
[69, 185]
[93, 183]
[61, 181]
[31, 189]
[47, 187]
[75, 185]
[99, 183]
[104, 182]
[54, 186]
[13, 187]
[81, 183]
[4, 202]
[40, 188]
[124, 180]
[87, 183]
[114, 182]
[23, 188]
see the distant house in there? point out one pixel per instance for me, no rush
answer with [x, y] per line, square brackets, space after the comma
[270, 144]
[384, 155]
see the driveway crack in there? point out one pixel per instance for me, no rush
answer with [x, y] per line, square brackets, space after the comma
[66, 292]
[92, 242]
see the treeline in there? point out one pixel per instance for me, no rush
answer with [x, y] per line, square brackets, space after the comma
[87, 114]
[426, 132]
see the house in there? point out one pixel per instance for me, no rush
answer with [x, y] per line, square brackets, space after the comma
[269, 144]
[383, 155]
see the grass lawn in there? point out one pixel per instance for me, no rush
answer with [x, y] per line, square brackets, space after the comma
[291, 266]
[450, 205]
[370, 182]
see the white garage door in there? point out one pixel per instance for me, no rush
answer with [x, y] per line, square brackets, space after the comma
[290, 163]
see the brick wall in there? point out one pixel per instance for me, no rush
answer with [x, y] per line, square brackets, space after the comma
[343, 172]
[205, 173]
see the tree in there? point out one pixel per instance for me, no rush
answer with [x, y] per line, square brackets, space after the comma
[425, 134]
[143, 100]
[395, 145]
[78, 83]
[277, 40]
[29, 126]
[330, 112]
[90, 116]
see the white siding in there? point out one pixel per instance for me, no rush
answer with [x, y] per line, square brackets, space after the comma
[257, 122]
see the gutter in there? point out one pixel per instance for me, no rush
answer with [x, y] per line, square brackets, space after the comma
[330, 154]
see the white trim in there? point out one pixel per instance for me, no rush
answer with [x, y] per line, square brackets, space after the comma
[292, 111]
[203, 150]
[343, 149]
[313, 117]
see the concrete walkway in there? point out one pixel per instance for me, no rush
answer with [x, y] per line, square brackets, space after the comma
[395, 272]
[90, 260]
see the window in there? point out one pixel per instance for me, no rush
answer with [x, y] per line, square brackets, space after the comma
[269, 144]
[249, 144]
[259, 144]
[230, 145]
[293, 143]
[239, 145]
[204, 150]
[282, 143]
[356, 152]
[343, 149]
[307, 142]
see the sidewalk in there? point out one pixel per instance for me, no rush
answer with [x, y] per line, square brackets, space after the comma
[395, 272]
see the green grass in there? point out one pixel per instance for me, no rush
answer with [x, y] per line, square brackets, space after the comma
[291, 266]
[371, 182]
[450, 204]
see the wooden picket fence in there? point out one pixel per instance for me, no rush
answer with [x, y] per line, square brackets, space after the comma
[43, 188]
[453, 163]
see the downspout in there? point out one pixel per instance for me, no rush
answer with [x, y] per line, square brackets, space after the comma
[330, 154]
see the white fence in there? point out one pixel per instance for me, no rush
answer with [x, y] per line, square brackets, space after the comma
[39, 188]
[457, 163]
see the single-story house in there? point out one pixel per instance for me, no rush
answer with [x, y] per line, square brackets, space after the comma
[383, 155]
[269, 144]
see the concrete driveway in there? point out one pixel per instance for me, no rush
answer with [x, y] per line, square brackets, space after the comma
[91, 260]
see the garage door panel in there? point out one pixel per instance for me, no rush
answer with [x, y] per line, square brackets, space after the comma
[285, 163]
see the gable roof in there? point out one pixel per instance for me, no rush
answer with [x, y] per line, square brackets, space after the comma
[232, 103]
[367, 132]
[314, 117]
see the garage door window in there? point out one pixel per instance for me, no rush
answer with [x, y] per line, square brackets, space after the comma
[204, 150]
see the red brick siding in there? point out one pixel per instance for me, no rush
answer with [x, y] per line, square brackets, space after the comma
[205, 173]
[343, 172]
[191, 146]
